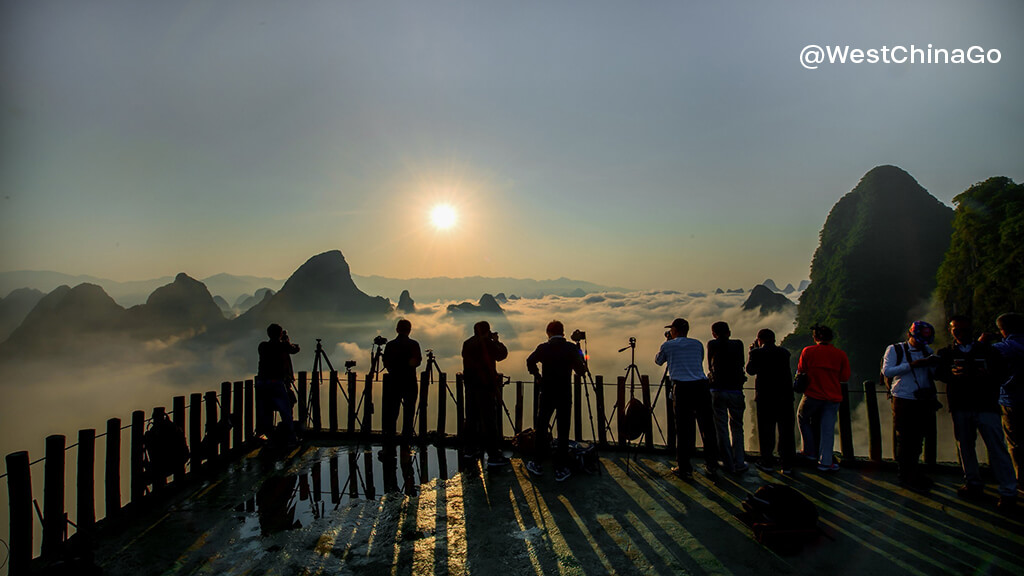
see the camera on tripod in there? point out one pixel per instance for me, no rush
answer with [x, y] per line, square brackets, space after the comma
[349, 364]
[380, 341]
[578, 335]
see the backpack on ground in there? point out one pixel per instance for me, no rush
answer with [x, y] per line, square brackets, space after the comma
[782, 518]
[583, 457]
[525, 443]
[165, 448]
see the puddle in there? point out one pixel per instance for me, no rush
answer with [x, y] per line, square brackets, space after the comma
[327, 479]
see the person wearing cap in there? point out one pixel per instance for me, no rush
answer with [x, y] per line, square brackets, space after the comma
[912, 370]
[691, 398]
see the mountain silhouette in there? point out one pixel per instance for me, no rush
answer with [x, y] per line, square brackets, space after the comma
[766, 300]
[880, 248]
[182, 308]
[770, 284]
[788, 289]
[406, 303]
[15, 307]
[65, 321]
[486, 305]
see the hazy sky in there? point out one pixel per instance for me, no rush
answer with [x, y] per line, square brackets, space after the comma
[642, 144]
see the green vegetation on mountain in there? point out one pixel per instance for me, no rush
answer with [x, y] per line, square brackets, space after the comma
[983, 273]
[875, 266]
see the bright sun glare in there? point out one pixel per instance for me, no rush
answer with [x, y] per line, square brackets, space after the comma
[443, 216]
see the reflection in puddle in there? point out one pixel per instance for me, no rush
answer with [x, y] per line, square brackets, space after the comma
[298, 496]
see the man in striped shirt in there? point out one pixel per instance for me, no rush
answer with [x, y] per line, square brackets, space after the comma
[691, 397]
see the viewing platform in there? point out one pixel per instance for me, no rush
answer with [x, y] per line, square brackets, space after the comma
[331, 506]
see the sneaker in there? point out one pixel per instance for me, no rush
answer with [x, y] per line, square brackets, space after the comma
[830, 468]
[535, 468]
[680, 473]
[499, 460]
[741, 468]
[562, 474]
[970, 492]
[764, 467]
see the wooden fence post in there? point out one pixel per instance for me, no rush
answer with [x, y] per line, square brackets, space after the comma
[874, 422]
[86, 491]
[620, 410]
[303, 400]
[314, 401]
[845, 424]
[368, 406]
[602, 432]
[519, 406]
[210, 438]
[670, 414]
[332, 402]
[178, 417]
[249, 412]
[577, 408]
[225, 418]
[238, 433]
[136, 479]
[195, 432]
[112, 471]
[19, 494]
[460, 408]
[351, 376]
[442, 405]
[422, 409]
[645, 394]
[54, 519]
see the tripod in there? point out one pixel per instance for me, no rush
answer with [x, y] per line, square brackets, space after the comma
[632, 374]
[587, 378]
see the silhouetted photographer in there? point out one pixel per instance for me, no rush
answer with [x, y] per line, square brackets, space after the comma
[401, 358]
[273, 386]
[480, 355]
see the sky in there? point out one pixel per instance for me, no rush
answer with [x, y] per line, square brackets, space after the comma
[651, 145]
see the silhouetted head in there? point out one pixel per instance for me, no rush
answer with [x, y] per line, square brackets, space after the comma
[766, 336]
[555, 328]
[822, 334]
[274, 331]
[482, 328]
[960, 328]
[404, 327]
[679, 327]
[720, 330]
[920, 333]
[1010, 323]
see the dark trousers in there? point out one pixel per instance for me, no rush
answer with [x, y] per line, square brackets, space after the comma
[1013, 428]
[272, 396]
[482, 420]
[771, 414]
[560, 405]
[398, 393]
[911, 420]
[692, 403]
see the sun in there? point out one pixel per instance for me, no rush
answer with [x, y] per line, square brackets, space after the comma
[443, 216]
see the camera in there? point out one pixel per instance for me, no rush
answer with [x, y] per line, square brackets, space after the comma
[578, 335]
[380, 341]
[494, 336]
[350, 364]
[668, 334]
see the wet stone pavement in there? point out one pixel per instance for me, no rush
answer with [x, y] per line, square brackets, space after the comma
[341, 510]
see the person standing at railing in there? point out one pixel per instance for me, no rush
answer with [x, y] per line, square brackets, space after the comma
[691, 398]
[773, 394]
[1011, 393]
[401, 358]
[559, 359]
[480, 355]
[825, 367]
[911, 366]
[973, 372]
[725, 372]
[273, 382]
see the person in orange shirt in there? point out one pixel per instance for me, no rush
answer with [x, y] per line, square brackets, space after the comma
[825, 367]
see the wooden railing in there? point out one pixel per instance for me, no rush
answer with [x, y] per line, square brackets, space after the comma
[229, 431]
